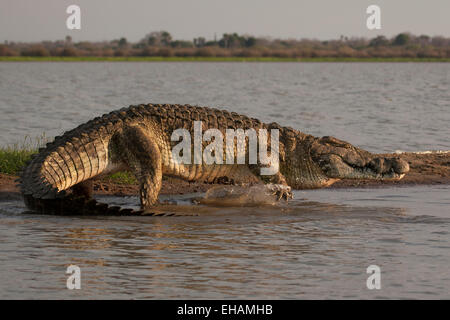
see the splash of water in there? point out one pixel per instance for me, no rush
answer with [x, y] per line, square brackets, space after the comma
[236, 196]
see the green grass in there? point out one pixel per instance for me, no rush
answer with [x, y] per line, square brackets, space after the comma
[122, 177]
[12, 160]
[216, 59]
[14, 157]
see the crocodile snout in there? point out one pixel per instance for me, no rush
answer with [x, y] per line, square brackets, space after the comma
[385, 165]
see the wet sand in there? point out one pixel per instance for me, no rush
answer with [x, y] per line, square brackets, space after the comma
[425, 169]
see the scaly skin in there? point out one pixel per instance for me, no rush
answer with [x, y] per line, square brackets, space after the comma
[58, 178]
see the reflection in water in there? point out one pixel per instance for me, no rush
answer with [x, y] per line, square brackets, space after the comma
[305, 249]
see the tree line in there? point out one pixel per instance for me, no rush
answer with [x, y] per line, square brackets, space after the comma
[161, 43]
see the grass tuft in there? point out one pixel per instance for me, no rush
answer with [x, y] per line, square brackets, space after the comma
[13, 160]
[122, 177]
[14, 157]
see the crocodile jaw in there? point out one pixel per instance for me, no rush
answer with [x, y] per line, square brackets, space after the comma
[338, 159]
[377, 169]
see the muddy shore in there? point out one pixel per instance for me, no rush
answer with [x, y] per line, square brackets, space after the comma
[425, 169]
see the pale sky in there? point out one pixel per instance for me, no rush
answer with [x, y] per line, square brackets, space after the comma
[29, 20]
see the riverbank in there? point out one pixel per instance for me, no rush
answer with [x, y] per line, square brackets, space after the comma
[425, 169]
[212, 59]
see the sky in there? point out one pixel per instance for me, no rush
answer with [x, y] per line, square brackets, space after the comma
[27, 20]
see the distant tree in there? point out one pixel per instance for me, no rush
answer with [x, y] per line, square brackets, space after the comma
[225, 41]
[181, 44]
[250, 42]
[401, 39]
[166, 38]
[6, 51]
[158, 38]
[343, 38]
[211, 43]
[160, 43]
[154, 38]
[35, 51]
[85, 45]
[199, 42]
[357, 43]
[379, 41]
[69, 52]
[421, 41]
[424, 38]
[439, 41]
[123, 42]
[232, 40]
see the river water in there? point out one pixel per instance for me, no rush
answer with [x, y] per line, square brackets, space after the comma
[317, 246]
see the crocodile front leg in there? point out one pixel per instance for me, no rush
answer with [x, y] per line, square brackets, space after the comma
[143, 157]
[280, 191]
[280, 188]
[276, 184]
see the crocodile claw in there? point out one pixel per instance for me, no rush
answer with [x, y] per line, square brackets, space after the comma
[281, 191]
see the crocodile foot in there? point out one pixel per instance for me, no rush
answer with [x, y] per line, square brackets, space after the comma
[280, 191]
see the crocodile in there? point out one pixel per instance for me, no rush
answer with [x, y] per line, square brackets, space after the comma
[58, 179]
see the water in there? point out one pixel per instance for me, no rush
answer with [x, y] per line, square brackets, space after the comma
[314, 248]
[317, 246]
[381, 107]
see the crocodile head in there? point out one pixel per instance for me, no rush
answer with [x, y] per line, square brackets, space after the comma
[326, 160]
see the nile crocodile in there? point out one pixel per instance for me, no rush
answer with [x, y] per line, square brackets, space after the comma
[58, 179]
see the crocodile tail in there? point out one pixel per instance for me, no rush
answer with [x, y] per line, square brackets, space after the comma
[52, 172]
[47, 177]
[82, 206]
[72, 205]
